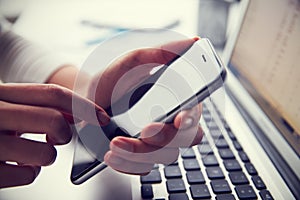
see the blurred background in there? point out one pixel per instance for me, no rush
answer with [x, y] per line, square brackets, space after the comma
[74, 27]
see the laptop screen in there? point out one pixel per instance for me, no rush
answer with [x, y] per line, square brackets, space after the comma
[266, 60]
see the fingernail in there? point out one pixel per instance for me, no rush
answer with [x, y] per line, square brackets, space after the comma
[103, 118]
[187, 123]
[114, 160]
[196, 38]
[125, 145]
[36, 170]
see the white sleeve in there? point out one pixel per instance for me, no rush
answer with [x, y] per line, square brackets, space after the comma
[24, 62]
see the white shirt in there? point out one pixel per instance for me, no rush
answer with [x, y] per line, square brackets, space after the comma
[21, 61]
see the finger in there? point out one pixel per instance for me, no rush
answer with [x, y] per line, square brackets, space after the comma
[26, 151]
[188, 118]
[136, 150]
[166, 135]
[126, 166]
[14, 175]
[159, 55]
[147, 58]
[54, 96]
[32, 119]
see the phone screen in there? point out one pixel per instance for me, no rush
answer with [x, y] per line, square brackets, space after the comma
[180, 85]
[180, 81]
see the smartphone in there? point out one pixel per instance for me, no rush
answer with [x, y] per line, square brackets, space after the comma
[181, 84]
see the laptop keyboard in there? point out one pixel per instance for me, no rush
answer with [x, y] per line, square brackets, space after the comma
[218, 168]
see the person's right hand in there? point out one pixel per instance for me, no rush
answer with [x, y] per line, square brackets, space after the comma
[37, 108]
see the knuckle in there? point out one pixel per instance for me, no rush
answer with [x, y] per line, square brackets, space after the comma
[56, 92]
[135, 57]
[163, 55]
[166, 55]
[137, 54]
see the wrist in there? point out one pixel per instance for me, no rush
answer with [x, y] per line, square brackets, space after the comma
[70, 77]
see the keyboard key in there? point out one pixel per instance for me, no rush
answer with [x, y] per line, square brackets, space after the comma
[172, 172]
[212, 126]
[225, 197]
[206, 116]
[205, 111]
[210, 160]
[153, 177]
[216, 133]
[243, 156]
[226, 154]
[222, 118]
[200, 192]
[265, 195]
[147, 192]
[209, 121]
[250, 168]
[230, 134]
[204, 149]
[187, 153]
[220, 186]
[178, 196]
[195, 177]
[238, 178]
[226, 126]
[221, 143]
[237, 145]
[175, 186]
[191, 164]
[258, 182]
[214, 173]
[205, 108]
[245, 192]
[232, 165]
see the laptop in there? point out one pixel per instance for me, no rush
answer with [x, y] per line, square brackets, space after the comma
[251, 145]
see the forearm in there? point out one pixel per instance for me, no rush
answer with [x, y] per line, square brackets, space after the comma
[21, 61]
[64, 76]
[68, 76]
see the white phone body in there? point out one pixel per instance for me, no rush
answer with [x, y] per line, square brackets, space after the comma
[180, 85]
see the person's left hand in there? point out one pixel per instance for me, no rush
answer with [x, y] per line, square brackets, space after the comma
[158, 142]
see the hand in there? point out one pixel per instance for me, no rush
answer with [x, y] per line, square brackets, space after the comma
[36, 108]
[159, 142]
